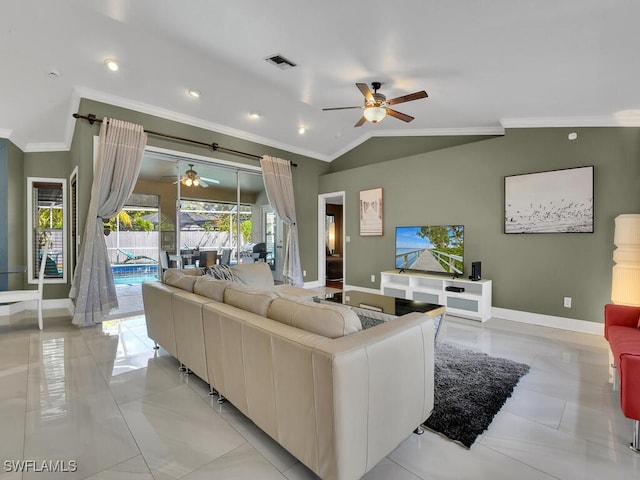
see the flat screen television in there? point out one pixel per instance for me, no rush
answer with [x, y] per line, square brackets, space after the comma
[431, 248]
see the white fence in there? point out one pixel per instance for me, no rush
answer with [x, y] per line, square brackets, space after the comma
[123, 246]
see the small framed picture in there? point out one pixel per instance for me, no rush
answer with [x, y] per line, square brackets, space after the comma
[371, 212]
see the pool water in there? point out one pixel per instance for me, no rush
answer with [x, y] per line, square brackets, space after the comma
[134, 274]
[134, 279]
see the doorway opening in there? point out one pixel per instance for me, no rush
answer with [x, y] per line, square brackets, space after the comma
[331, 240]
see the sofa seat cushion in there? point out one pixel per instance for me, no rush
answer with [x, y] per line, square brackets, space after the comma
[330, 321]
[210, 287]
[624, 341]
[180, 279]
[256, 275]
[250, 299]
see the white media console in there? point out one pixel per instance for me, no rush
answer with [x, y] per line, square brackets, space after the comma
[474, 302]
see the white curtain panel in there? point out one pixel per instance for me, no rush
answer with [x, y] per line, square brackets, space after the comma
[117, 167]
[278, 182]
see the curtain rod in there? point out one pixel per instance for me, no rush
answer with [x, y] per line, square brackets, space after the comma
[91, 118]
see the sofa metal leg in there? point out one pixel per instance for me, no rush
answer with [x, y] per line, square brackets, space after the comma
[635, 443]
[155, 346]
[182, 368]
[616, 379]
[419, 431]
[221, 398]
[212, 391]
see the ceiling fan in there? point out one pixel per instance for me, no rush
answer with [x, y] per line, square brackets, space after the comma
[192, 179]
[376, 105]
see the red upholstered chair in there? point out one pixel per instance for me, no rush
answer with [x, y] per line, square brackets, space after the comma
[621, 331]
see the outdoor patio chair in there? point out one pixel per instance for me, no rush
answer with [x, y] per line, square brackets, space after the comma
[207, 258]
[225, 257]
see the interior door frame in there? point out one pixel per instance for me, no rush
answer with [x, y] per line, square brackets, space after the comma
[322, 253]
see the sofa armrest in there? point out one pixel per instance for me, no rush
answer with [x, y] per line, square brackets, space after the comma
[380, 390]
[620, 315]
[629, 369]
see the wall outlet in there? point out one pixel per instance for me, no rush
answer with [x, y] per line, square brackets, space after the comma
[567, 302]
[373, 278]
[304, 273]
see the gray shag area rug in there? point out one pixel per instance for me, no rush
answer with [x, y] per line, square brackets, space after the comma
[470, 388]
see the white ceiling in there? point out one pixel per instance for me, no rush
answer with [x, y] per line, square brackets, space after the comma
[486, 65]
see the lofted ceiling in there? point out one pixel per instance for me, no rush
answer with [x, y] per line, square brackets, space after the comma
[486, 65]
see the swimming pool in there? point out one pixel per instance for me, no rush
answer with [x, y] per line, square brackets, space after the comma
[134, 274]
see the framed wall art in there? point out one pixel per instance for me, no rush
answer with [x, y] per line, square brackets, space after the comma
[556, 201]
[371, 212]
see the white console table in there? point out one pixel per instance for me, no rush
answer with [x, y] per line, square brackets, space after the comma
[474, 302]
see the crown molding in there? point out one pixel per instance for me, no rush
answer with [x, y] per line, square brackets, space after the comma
[83, 92]
[12, 137]
[46, 147]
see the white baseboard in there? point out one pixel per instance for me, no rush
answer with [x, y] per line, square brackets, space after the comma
[362, 289]
[542, 320]
[571, 324]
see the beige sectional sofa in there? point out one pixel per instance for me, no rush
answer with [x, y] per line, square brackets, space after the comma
[337, 397]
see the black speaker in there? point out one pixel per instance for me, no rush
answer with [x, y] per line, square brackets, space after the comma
[476, 271]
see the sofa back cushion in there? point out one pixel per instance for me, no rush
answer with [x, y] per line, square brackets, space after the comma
[256, 275]
[180, 279]
[247, 298]
[330, 321]
[210, 287]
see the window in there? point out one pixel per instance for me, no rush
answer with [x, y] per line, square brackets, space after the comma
[46, 203]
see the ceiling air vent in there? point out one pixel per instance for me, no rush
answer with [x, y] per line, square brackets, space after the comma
[279, 61]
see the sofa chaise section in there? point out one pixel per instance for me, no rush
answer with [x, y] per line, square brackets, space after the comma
[337, 397]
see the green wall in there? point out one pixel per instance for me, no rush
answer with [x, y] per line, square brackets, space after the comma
[452, 180]
[12, 213]
[381, 149]
[465, 185]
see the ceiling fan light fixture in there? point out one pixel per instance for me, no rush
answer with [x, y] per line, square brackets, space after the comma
[374, 113]
[111, 64]
[188, 182]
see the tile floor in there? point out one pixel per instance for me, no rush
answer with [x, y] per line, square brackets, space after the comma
[102, 398]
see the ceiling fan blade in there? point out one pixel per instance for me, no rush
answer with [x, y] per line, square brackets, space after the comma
[398, 115]
[407, 98]
[202, 184]
[364, 88]
[360, 122]
[210, 180]
[339, 108]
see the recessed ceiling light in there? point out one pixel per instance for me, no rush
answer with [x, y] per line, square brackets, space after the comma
[111, 64]
[302, 130]
[53, 73]
[572, 136]
[254, 115]
[194, 93]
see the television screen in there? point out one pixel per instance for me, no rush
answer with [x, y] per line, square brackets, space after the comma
[434, 249]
